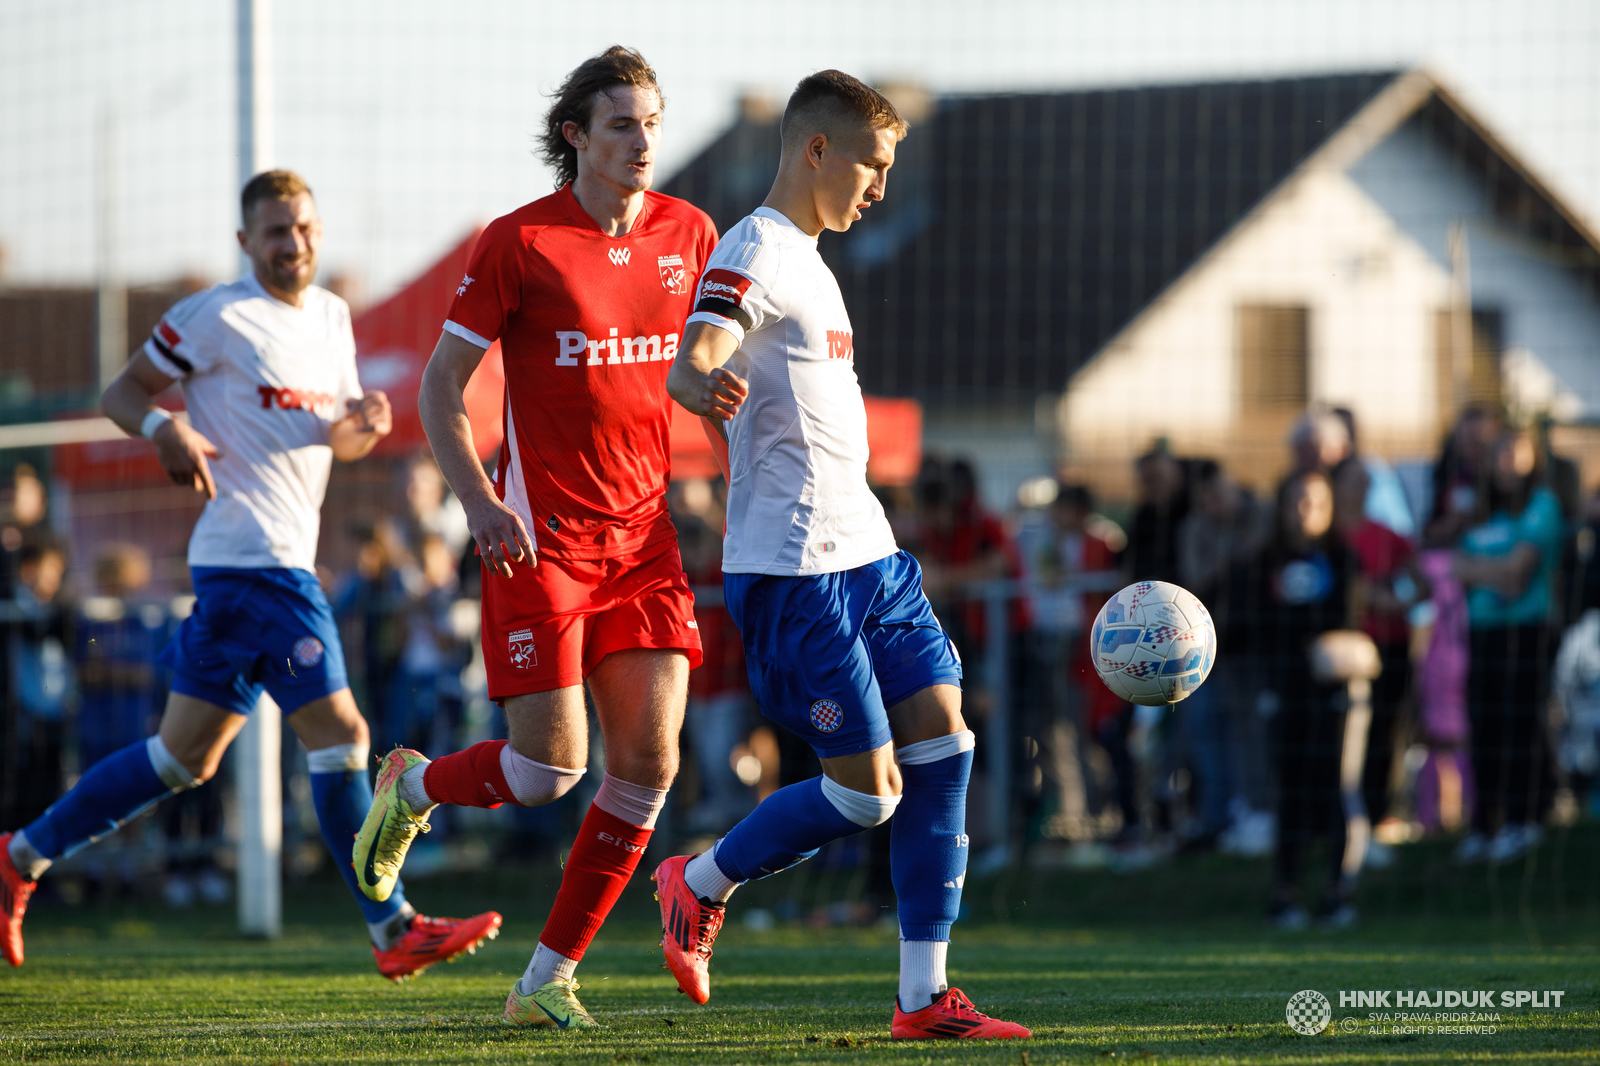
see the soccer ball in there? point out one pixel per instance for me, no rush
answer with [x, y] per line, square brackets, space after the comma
[1153, 643]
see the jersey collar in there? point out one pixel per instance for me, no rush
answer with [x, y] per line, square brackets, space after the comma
[783, 220]
[585, 220]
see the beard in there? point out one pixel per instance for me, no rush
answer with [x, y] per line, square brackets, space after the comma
[293, 276]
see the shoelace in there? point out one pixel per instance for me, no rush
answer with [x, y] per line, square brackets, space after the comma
[957, 1002]
[706, 931]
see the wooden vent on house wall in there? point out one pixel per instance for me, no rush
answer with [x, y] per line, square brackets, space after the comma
[1274, 357]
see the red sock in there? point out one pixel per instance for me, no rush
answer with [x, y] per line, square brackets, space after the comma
[605, 855]
[470, 778]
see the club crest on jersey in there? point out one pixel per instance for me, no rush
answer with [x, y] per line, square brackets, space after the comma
[827, 716]
[671, 267]
[524, 653]
[308, 651]
[619, 256]
[465, 281]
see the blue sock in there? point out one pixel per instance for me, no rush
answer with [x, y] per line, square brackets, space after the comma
[928, 846]
[788, 827]
[341, 800]
[110, 792]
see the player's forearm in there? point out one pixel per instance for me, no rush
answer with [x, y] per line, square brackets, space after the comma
[693, 381]
[442, 407]
[126, 402]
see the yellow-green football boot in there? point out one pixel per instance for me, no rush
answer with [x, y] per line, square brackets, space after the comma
[386, 835]
[554, 1004]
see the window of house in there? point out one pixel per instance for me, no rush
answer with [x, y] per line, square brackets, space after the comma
[1274, 357]
[1480, 370]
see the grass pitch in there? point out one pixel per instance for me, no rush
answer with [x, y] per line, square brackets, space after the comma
[1171, 965]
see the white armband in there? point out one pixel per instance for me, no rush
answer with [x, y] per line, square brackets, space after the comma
[153, 421]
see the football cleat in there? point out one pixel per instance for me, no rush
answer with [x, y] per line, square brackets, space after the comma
[951, 1016]
[390, 827]
[553, 1004]
[689, 925]
[431, 940]
[14, 892]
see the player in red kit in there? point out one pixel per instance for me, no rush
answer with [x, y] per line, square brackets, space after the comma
[586, 290]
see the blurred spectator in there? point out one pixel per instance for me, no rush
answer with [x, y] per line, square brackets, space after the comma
[1304, 591]
[1386, 496]
[372, 598]
[1152, 552]
[39, 633]
[1319, 441]
[23, 522]
[1461, 477]
[717, 717]
[1225, 529]
[426, 703]
[1443, 794]
[431, 508]
[122, 688]
[1390, 585]
[1506, 562]
[959, 543]
[1069, 573]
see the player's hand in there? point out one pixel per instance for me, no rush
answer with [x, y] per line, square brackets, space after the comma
[501, 537]
[185, 453]
[372, 413]
[721, 393]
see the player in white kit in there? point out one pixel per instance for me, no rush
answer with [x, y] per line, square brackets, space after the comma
[842, 646]
[267, 365]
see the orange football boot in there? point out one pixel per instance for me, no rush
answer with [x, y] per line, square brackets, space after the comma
[951, 1016]
[431, 940]
[689, 925]
[14, 892]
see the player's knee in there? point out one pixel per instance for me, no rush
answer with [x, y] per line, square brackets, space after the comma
[179, 774]
[862, 808]
[534, 784]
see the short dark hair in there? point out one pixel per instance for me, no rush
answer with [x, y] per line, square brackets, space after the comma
[574, 102]
[1078, 496]
[270, 185]
[829, 96]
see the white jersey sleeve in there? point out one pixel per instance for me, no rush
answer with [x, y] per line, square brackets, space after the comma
[736, 290]
[188, 338]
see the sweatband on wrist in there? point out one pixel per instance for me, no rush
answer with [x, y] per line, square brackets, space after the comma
[153, 421]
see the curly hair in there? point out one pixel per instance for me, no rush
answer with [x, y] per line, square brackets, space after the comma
[617, 66]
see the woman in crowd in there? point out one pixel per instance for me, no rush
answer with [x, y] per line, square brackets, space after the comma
[1390, 585]
[1302, 587]
[1506, 561]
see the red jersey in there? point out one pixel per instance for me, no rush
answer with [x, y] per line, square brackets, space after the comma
[588, 327]
[1383, 554]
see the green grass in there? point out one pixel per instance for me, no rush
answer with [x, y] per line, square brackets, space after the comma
[1171, 965]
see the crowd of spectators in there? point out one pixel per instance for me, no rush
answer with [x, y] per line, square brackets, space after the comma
[1474, 589]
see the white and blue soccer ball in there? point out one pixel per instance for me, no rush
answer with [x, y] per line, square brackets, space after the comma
[1153, 643]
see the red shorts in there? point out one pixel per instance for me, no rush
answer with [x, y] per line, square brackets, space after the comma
[548, 626]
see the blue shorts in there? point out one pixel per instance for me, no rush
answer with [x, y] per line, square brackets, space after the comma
[255, 629]
[828, 653]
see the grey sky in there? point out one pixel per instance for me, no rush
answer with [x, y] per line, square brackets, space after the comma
[412, 120]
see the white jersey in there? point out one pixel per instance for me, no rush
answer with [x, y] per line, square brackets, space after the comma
[798, 501]
[263, 381]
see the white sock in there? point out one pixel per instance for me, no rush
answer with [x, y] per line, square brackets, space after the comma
[29, 863]
[922, 973]
[413, 792]
[706, 879]
[635, 804]
[544, 967]
[388, 932]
